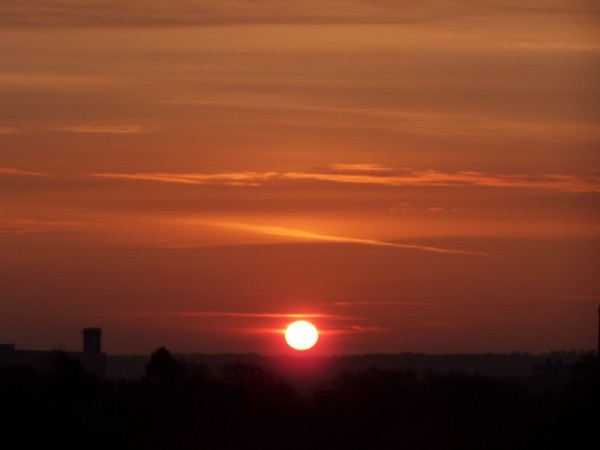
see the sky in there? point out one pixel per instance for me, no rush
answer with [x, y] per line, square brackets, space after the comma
[410, 176]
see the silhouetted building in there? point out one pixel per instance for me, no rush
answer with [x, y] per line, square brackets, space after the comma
[92, 359]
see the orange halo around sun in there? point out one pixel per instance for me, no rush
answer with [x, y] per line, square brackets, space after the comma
[301, 335]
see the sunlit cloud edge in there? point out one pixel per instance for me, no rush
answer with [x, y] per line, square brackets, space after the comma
[353, 174]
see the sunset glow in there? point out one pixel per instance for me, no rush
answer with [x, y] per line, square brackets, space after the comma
[424, 174]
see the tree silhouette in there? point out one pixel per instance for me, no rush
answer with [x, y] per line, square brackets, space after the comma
[178, 404]
[61, 367]
[163, 368]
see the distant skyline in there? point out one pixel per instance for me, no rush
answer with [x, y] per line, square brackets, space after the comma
[410, 176]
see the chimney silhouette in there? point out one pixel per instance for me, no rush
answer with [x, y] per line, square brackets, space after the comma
[92, 340]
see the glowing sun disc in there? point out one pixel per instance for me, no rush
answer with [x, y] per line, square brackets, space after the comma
[301, 335]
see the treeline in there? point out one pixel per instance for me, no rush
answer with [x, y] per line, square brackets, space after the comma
[182, 405]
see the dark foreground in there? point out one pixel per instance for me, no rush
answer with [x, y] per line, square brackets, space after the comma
[182, 405]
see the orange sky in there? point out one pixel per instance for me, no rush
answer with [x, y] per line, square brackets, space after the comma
[415, 176]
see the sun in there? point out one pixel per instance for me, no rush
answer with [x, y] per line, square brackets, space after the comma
[301, 335]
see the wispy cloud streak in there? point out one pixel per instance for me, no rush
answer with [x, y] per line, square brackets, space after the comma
[561, 182]
[204, 12]
[235, 314]
[230, 178]
[14, 171]
[365, 167]
[25, 225]
[254, 322]
[310, 236]
[387, 303]
[377, 175]
[106, 129]
[252, 315]
[580, 297]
